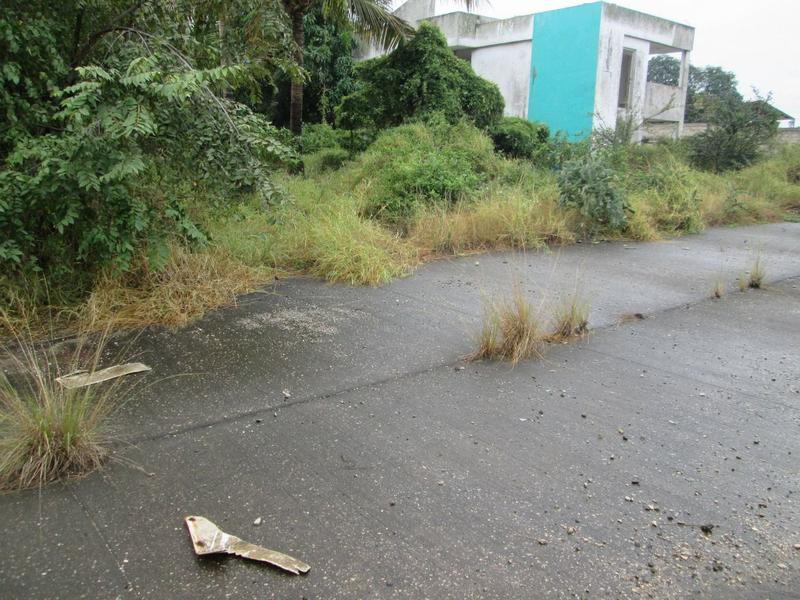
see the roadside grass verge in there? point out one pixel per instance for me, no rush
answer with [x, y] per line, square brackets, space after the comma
[418, 193]
[190, 284]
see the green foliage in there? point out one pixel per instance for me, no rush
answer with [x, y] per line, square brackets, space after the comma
[327, 159]
[420, 78]
[737, 131]
[664, 69]
[328, 64]
[519, 138]
[424, 165]
[318, 136]
[589, 185]
[671, 193]
[98, 160]
[706, 85]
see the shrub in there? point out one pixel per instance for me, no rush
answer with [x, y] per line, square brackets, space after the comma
[419, 78]
[519, 138]
[419, 164]
[589, 185]
[793, 174]
[318, 136]
[671, 194]
[328, 159]
[737, 131]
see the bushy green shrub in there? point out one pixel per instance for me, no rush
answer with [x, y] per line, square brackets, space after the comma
[519, 138]
[327, 159]
[318, 136]
[424, 164]
[419, 78]
[671, 194]
[97, 160]
[737, 131]
[589, 185]
[793, 174]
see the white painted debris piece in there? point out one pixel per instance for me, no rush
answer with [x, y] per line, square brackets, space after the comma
[207, 538]
[84, 378]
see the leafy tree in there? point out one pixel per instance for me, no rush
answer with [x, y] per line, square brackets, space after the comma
[328, 62]
[664, 69]
[420, 78]
[112, 112]
[371, 19]
[737, 131]
[706, 85]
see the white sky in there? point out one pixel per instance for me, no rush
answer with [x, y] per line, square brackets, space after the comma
[759, 40]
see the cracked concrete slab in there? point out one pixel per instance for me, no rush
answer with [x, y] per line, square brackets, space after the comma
[590, 473]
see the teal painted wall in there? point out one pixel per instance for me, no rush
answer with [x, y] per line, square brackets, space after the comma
[564, 68]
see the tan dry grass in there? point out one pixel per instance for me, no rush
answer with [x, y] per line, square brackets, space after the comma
[48, 432]
[510, 330]
[190, 284]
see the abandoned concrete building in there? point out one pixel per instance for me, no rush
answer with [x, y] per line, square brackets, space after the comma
[576, 69]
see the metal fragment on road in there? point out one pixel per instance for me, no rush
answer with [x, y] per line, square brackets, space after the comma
[84, 378]
[207, 538]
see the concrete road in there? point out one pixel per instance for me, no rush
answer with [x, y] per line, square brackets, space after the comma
[655, 458]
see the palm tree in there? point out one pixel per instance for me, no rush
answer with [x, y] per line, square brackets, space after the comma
[372, 19]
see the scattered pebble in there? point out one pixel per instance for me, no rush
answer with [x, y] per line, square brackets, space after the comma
[257, 522]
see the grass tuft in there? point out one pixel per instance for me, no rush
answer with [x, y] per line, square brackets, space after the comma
[572, 319]
[510, 330]
[756, 277]
[718, 291]
[48, 432]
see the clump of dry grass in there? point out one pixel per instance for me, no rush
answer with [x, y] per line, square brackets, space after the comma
[189, 285]
[756, 278]
[743, 282]
[718, 291]
[571, 319]
[511, 329]
[47, 431]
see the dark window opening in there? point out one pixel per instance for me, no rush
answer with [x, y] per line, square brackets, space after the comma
[625, 78]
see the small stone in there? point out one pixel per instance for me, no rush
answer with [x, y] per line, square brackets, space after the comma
[570, 530]
[257, 522]
[628, 499]
[782, 566]
[287, 394]
[797, 546]
[440, 482]
[542, 542]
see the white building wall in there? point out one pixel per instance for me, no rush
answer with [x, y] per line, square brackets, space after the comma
[622, 29]
[509, 66]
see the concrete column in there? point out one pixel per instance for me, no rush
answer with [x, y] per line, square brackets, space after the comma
[684, 85]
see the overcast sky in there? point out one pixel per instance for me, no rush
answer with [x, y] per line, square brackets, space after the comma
[759, 40]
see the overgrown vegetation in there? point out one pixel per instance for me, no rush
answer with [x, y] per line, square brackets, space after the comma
[420, 79]
[142, 181]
